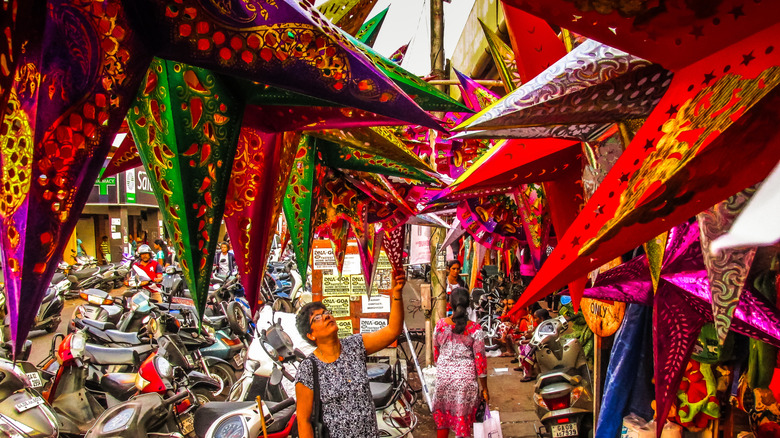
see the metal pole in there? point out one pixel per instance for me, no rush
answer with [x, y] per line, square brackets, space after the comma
[425, 391]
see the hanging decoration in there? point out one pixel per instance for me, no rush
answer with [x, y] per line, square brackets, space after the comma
[675, 35]
[675, 164]
[369, 31]
[348, 15]
[681, 306]
[288, 44]
[185, 123]
[61, 113]
[301, 195]
[494, 221]
[728, 269]
[261, 170]
[394, 248]
[369, 242]
[626, 87]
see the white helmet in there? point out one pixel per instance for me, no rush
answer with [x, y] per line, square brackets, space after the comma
[144, 249]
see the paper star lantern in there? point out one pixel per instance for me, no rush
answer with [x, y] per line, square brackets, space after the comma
[60, 117]
[674, 34]
[681, 160]
[186, 122]
[287, 44]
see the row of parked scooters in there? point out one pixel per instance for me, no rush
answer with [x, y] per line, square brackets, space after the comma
[132, 367]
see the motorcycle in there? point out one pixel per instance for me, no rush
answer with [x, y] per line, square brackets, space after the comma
[23, 412]
[49, 314]
[487, 309]
[563, 391]
[419, 271]
[77, 385]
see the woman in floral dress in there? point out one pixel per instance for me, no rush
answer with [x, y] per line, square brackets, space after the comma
[461, 369]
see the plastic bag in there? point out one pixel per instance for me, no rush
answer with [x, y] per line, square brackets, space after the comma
[635, 426]
[490, 428]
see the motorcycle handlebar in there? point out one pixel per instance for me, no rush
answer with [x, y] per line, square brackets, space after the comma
[282, 405]
[176, 397]
[299, 354]
[287, 375]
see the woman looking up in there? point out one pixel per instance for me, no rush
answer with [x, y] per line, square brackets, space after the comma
[347, 405]
[459, 352]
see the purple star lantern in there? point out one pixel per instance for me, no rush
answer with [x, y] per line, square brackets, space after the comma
[682, 305]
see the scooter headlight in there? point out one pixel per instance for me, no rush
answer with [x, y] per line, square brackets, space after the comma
[231, 427]
[119, 421]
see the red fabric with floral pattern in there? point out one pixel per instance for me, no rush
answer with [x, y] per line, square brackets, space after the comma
[460, 359]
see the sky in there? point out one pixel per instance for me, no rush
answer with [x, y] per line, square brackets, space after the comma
[409, 21]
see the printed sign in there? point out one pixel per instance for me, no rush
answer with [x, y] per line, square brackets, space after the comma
[351, 265]
[345, 327]
[603, 317]
[370, 325]
[419, 245]
[335, 285]
[357, 284]
[130, 185]
[376, 304]
[338, 305]
[323, 259]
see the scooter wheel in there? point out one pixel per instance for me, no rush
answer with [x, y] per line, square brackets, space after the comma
[228, 377]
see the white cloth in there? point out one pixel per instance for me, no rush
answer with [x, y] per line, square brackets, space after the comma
[224, 265]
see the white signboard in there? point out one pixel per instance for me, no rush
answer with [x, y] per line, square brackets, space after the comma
[116, 221]
[351, 265]
[370, 325]
[419, 245]
[376, 304]
[323, 259]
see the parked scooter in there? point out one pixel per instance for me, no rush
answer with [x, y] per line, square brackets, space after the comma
[563, 391]
[23, 412]
[49, 313]
[99, 306]
[487, 310]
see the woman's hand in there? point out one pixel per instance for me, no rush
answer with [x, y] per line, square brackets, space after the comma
[380, 339]
[486, 395]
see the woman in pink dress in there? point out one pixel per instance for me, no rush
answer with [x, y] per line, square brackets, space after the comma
[461, 369]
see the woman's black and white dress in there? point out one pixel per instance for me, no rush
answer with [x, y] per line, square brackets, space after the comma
[348, 408]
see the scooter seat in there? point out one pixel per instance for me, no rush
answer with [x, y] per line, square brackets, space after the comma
[100, 325]
[207, 414]
[50, 294]
[216, 322]
[58, 277]
[84, 273]
[379, 372]
[381, 393]
[123, 337]
[281, 418]
[121, 386]
[111, 356]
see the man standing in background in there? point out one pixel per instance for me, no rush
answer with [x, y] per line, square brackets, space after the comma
[105, 250]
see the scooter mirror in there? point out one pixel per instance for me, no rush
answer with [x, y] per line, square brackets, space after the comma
[276, 376]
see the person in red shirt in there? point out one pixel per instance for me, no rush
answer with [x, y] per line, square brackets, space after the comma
[152, 269]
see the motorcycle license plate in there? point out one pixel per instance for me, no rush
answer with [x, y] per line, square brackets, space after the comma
[28, 404]
[239, 358]
[562, 430]
[35, 379]
[186, 424]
